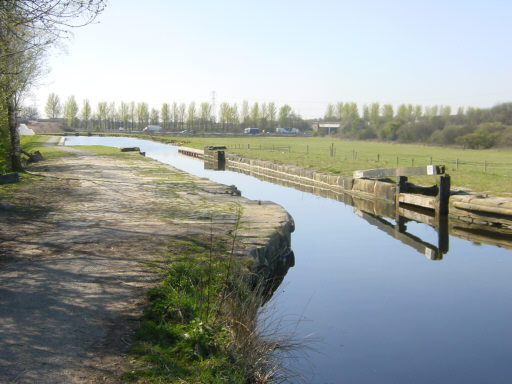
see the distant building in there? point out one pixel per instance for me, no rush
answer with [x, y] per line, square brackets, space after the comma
[326, 128]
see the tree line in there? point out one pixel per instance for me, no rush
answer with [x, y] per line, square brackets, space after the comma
[28, 29]
[200, 117]
[469, 127]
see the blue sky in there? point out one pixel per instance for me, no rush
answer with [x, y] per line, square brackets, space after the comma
[303, 53]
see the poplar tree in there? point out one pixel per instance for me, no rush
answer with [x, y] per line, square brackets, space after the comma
[124, 113]
[165, 115]
[191, 115]
[154, 116]
[70, 111]
[86, 113]
[272, 113]
[102, 114]
[53, 108]
[142, 114]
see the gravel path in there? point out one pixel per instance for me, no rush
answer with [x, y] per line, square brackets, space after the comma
[73, 243]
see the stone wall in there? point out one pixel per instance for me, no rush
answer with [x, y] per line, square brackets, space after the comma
[373, 189]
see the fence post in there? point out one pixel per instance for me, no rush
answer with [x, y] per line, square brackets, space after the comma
[397, 161]
[457, 164]
[412, 162]
[378, 157]
[248, 146]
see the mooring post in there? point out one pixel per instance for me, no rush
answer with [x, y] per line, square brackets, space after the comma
[400, 188]
[443, 197]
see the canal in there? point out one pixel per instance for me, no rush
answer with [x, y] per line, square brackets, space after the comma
[378, 310]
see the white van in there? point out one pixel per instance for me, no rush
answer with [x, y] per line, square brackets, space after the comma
[152, 128]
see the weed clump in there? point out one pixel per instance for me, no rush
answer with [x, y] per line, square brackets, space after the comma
[202, 322]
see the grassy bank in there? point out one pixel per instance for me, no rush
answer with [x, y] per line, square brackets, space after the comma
[37, 143]
[200, 325]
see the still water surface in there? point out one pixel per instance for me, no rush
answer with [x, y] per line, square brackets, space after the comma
[382, 312]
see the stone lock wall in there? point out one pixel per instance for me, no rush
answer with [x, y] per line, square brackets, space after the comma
[306, 177]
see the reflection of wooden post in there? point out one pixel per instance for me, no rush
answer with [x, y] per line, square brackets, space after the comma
[442, 198]
[443, 239]
[401, 226]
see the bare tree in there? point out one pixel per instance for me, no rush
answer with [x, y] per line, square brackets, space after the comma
[27, 28]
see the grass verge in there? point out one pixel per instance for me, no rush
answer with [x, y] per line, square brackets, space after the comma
[37, 143]
[201, 322]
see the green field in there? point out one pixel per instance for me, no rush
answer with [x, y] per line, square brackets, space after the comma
[479, 170]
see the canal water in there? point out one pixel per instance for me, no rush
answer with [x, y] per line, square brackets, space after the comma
[378, 310]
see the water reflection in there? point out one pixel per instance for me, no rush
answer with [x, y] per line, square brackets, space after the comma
[276, 277]
[215, 165]
[376, 213]
[399, 232]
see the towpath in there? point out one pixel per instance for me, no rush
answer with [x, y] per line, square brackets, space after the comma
[74, 245]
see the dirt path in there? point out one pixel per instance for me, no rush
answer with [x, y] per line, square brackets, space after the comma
[73, 243]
